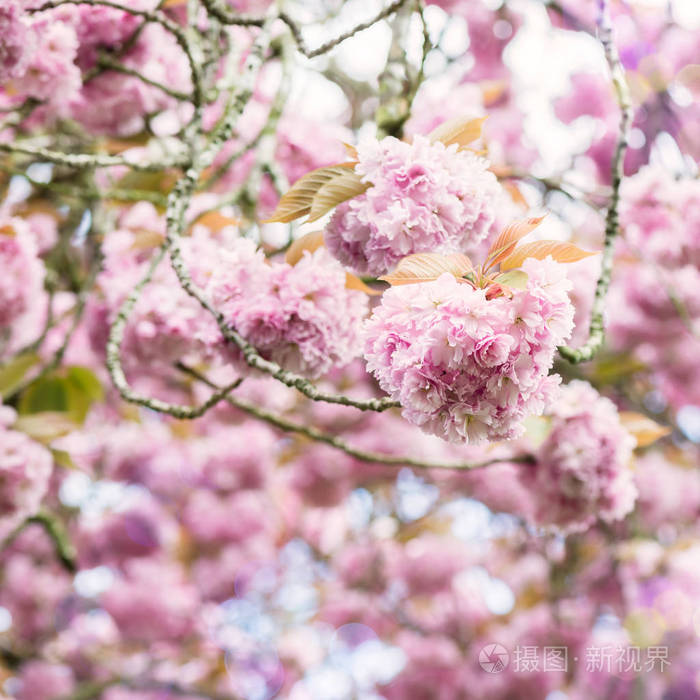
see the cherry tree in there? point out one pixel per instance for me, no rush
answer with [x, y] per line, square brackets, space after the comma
[349, 349]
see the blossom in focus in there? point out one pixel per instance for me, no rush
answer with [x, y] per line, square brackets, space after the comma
[465, 367]
[424, 196]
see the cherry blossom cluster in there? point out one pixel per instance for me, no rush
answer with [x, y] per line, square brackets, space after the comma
[301, 316]
[424, 196]
[583, 469]
[657, 293]
[43, 56]
[25, 469]
[22, 296]
[285, 543]
[466, 367]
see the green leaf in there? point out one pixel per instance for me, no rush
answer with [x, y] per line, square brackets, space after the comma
[12, 374]
[50, 393]
[86, 380]
[63, 459]
[70, 391]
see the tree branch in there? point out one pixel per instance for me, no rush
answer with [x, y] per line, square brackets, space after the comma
[156, 17]
[596, 332]
[62, 545]
[216, 9]
[86, 160]
[363, 455]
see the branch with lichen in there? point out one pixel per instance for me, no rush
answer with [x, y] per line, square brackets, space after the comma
[285, 425]
[116, 371]
[596, 332]
[178, 201]
[108, 63]
[87, 160]
[217, 9]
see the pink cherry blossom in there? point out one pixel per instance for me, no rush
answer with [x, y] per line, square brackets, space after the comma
[465, 367]
[423, 197]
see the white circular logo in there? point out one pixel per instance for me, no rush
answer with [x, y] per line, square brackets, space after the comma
[494, 658]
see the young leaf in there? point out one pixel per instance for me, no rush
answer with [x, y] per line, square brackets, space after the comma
[492, 90]
[354, 282]
[424, 267]
[339, 189]
[507, 239]
[460, 131]
[311, 241]
[298, 200]
[516, 279]
[350, 150]
[561, 252]
[215, 221]
[644, 430]
[45, 426]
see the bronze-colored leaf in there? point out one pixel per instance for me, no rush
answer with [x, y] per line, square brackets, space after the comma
[311, 241]
[350, 150]
[507, 239]
[560, 251]
[147, 240]
[492, 90]
[341, 188]
[215, 221]
[644, 430]
[515, 194]
[354, 282]
[424, 267]
[460, 131]
[297, 201]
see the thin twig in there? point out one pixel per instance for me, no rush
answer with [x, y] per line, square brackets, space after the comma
[62, 545]
[116, 371]
[225, 16]
[110, 64]
[156, 17]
